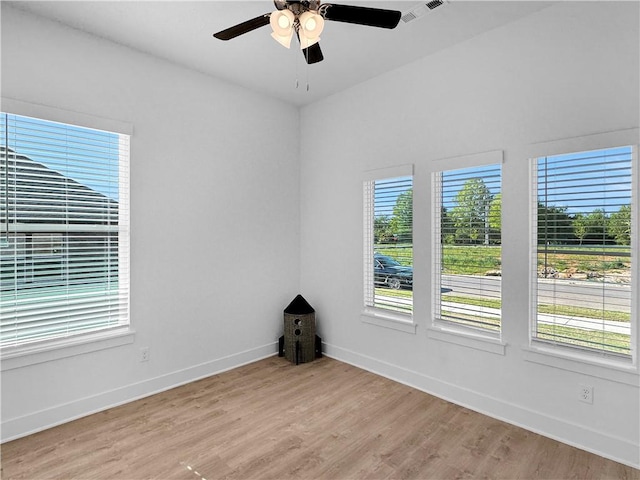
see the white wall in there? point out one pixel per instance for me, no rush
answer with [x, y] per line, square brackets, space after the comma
[214, 218]
[569, 70]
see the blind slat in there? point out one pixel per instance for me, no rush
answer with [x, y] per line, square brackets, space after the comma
[64, 209]
[467, 210]
[388, 239]
[583, 259]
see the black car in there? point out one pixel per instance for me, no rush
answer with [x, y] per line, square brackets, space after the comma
[388, 272]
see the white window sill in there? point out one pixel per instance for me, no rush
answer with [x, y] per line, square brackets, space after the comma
[12, 358]
[467, 338]
[388, 319]
[584, 363]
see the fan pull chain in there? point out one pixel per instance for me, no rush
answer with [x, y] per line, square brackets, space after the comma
[306, 70]
[306, 58]
[297, 71]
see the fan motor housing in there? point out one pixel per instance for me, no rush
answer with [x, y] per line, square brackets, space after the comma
[297, 7]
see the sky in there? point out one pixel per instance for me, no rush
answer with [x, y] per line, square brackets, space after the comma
[585, 181]
[580, 182]
[88, 156]
[387, 191]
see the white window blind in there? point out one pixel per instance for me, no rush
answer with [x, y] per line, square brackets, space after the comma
[65, 230]
[467, 246]
[388, 244]
[583, 260]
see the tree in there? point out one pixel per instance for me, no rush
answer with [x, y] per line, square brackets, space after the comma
[597, 226]
[401, 223]
[495, 218]
[470, 215]
[495, 212]
[619, 226]
[382, 229]
[580, 226]
[554, 225]
[447, 229]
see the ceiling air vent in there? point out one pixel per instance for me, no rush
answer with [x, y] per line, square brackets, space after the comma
[407, 17]
[420, 9]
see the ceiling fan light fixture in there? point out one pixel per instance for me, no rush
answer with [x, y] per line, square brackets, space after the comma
[284, 40]
[307, 42]
[282, 22]
[311, 24]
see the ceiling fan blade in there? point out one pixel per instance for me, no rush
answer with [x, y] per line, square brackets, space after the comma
[244, 27]
[313, 54]
[373, 17]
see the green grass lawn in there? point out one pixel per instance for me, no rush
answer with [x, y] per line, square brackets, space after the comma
[478, 259]
[568, 310]
[585, 258]
[614, 342]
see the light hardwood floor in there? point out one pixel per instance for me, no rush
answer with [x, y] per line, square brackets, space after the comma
[276, 420]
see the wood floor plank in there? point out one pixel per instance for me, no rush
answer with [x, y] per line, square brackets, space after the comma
[275, 420]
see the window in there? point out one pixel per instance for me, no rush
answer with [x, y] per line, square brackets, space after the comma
[583, 261]
[388, 241]
[467, 247]
[65, 230]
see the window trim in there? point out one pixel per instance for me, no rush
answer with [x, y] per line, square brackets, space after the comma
[404, 322]
[578, 361]
[467, 337]
[54, 114]
[48, 350]
[53, 349]
[442, 330]
[388, 319]
[560, 356]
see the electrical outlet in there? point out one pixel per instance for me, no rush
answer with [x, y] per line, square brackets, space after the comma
[144, 354]
[585, 393]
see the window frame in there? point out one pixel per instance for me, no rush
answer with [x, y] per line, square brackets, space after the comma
[535, 335]
[61, 347]
[565, 357]
[372, 315]
[441, 330]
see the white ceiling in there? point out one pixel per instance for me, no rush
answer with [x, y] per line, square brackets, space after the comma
[182, 32]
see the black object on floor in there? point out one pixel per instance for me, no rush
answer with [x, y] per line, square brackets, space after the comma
[300, 344]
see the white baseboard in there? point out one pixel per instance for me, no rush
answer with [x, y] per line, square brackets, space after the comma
[21, 426]
[599, 443]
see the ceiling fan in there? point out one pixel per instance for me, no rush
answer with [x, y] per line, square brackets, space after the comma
[306, 19]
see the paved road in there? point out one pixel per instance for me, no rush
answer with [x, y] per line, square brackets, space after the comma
[569, 292]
